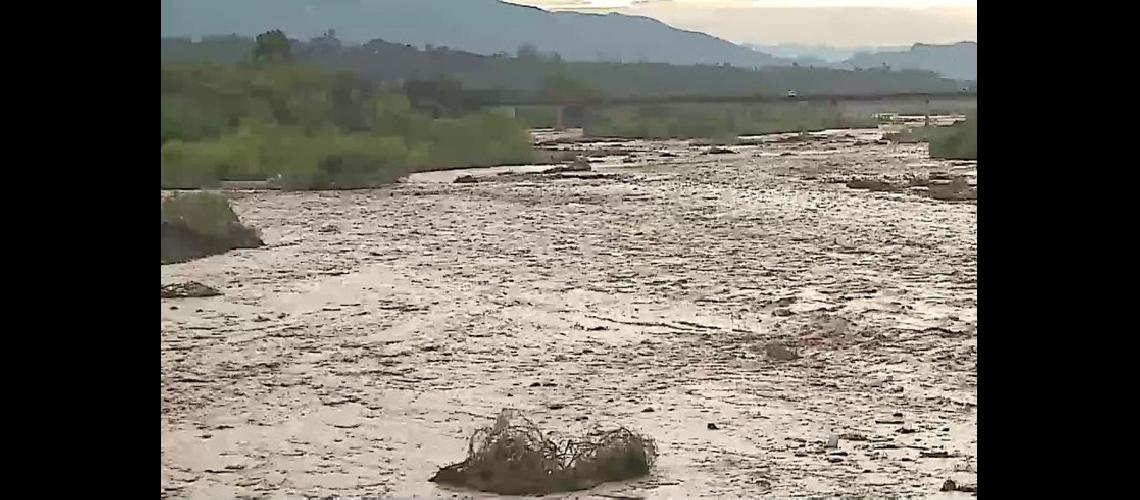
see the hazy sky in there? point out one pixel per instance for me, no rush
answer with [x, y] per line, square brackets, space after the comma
[842, 23]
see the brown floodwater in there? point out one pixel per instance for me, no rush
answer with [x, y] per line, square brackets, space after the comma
[377, 329]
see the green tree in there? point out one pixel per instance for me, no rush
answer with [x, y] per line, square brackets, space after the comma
[351, 99]
[561, 88]
[527, 52]
[272, 46]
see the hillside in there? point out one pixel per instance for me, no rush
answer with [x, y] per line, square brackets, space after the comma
[384, 62]
[959, 61]
[479, 26]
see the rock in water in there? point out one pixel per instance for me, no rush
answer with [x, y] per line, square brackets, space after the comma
[188, 289]
[833, 327]
[780, 352]
[581, 164]
[957, 189]
[196, 225]
[833, 441]
[871, 185]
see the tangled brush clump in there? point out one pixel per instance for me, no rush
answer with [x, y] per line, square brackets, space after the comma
[513, 457]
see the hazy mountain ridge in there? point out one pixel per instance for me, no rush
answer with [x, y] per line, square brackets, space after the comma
[479, 26]
[958, 61]
[825, 53]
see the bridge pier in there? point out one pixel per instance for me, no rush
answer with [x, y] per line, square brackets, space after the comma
[836, 113]
[560, 118]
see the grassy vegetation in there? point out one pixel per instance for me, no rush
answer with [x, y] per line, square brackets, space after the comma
[203, 212]
[198, 224]
[959, 142]
[537, 116]
[723, 123]
[910, 135]
[312, 130]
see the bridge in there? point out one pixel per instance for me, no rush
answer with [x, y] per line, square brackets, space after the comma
[730, 99]
[833, 100]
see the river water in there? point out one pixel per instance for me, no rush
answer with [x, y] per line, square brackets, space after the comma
[377, 329]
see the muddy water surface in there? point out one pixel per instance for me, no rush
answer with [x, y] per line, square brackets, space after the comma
[377, 329]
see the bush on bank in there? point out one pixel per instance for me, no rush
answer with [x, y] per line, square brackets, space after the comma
[312, 130]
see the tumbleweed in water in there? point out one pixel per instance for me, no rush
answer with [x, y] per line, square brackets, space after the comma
[513, 457]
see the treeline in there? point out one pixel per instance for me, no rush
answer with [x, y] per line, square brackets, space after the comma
[525, 72]
[724, 123]
[272, 118]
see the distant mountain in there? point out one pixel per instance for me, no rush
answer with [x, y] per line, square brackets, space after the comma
[825, 53]
[958, 61]
[478, 26]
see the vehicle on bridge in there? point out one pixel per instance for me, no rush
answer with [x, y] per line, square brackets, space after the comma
[886, 117]
[793, 94]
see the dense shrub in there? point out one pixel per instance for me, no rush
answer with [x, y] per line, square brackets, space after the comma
[959, 142]
[311, 130]
[484, 139]
[537, 116]
[189, 165]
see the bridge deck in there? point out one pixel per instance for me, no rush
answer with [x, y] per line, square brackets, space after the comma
[618, 101]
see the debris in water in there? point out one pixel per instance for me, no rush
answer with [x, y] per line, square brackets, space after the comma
[950, 485]
[580, 164]
[781, 352]
[871, 184]
[513, 457]
[833, 441]
[188, 289]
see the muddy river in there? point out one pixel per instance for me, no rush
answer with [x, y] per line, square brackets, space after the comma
[376, 330]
